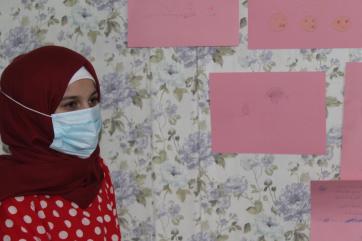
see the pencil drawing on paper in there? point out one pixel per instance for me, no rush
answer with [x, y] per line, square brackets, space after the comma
[276, 95]
[245, 110]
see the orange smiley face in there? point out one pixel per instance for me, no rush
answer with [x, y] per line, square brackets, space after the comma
[341, 23]
[278, 22]
[309, 23]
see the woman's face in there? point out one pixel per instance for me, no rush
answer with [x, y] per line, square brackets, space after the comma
[79, 95]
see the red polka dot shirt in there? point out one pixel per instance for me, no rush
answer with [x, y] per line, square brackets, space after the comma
[43, 217]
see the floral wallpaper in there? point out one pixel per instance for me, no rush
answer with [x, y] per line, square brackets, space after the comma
[156, 126]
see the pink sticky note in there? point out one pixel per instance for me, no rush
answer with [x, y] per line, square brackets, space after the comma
[351, 163]
[268, 112]
[336, 210]
[305, 24]
[165, 23]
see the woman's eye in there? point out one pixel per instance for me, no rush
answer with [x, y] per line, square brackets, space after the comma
[94, 101]
[71, 105]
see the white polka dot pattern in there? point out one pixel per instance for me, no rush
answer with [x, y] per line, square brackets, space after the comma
[107, 218]
[59, 203]
[115, 237]
[56, 213]
[27, 219]
[44, 217]
[9, 223]
[12, 210]
[72, 212]
[41, 214]
[85, 221]
[6, 238]
[97, 230]
[100, 219]
[19, 199]
[79, 233]
[43, 204]
[68, 223]
[50, 225]
[63, 235]
[40, 229]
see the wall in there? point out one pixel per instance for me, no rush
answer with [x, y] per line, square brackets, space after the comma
[156, 136]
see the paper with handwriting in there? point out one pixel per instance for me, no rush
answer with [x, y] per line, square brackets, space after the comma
[305, 24]
[177, 23]
[268, 112]
[336, 210]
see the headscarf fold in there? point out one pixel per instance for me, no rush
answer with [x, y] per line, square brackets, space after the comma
[38, 80]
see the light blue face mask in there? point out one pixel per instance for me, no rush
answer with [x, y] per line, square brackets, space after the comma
[75, 132]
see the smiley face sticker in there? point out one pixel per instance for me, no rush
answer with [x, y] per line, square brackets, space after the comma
[341, 23]
[308, 23]
[278, 22]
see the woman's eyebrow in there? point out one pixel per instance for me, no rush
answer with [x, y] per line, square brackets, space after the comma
[69, 98]
[75, 97]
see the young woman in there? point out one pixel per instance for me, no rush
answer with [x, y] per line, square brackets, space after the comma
[53, 184]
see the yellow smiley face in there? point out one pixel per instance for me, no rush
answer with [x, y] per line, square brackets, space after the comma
[341, 23]
[278, 22]
[309, 23]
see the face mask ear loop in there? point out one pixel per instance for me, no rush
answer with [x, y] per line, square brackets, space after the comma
[17, 102]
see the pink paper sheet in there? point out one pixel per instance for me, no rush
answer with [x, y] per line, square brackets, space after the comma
[351, 163]
[305, 24]
[176, 23]
[268, 112]
[336, 211]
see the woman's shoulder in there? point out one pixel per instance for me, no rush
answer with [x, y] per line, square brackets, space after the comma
[103, 165]
[32, 201]
[107, 182]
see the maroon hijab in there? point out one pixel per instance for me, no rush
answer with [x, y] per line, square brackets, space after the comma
[38, 80]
